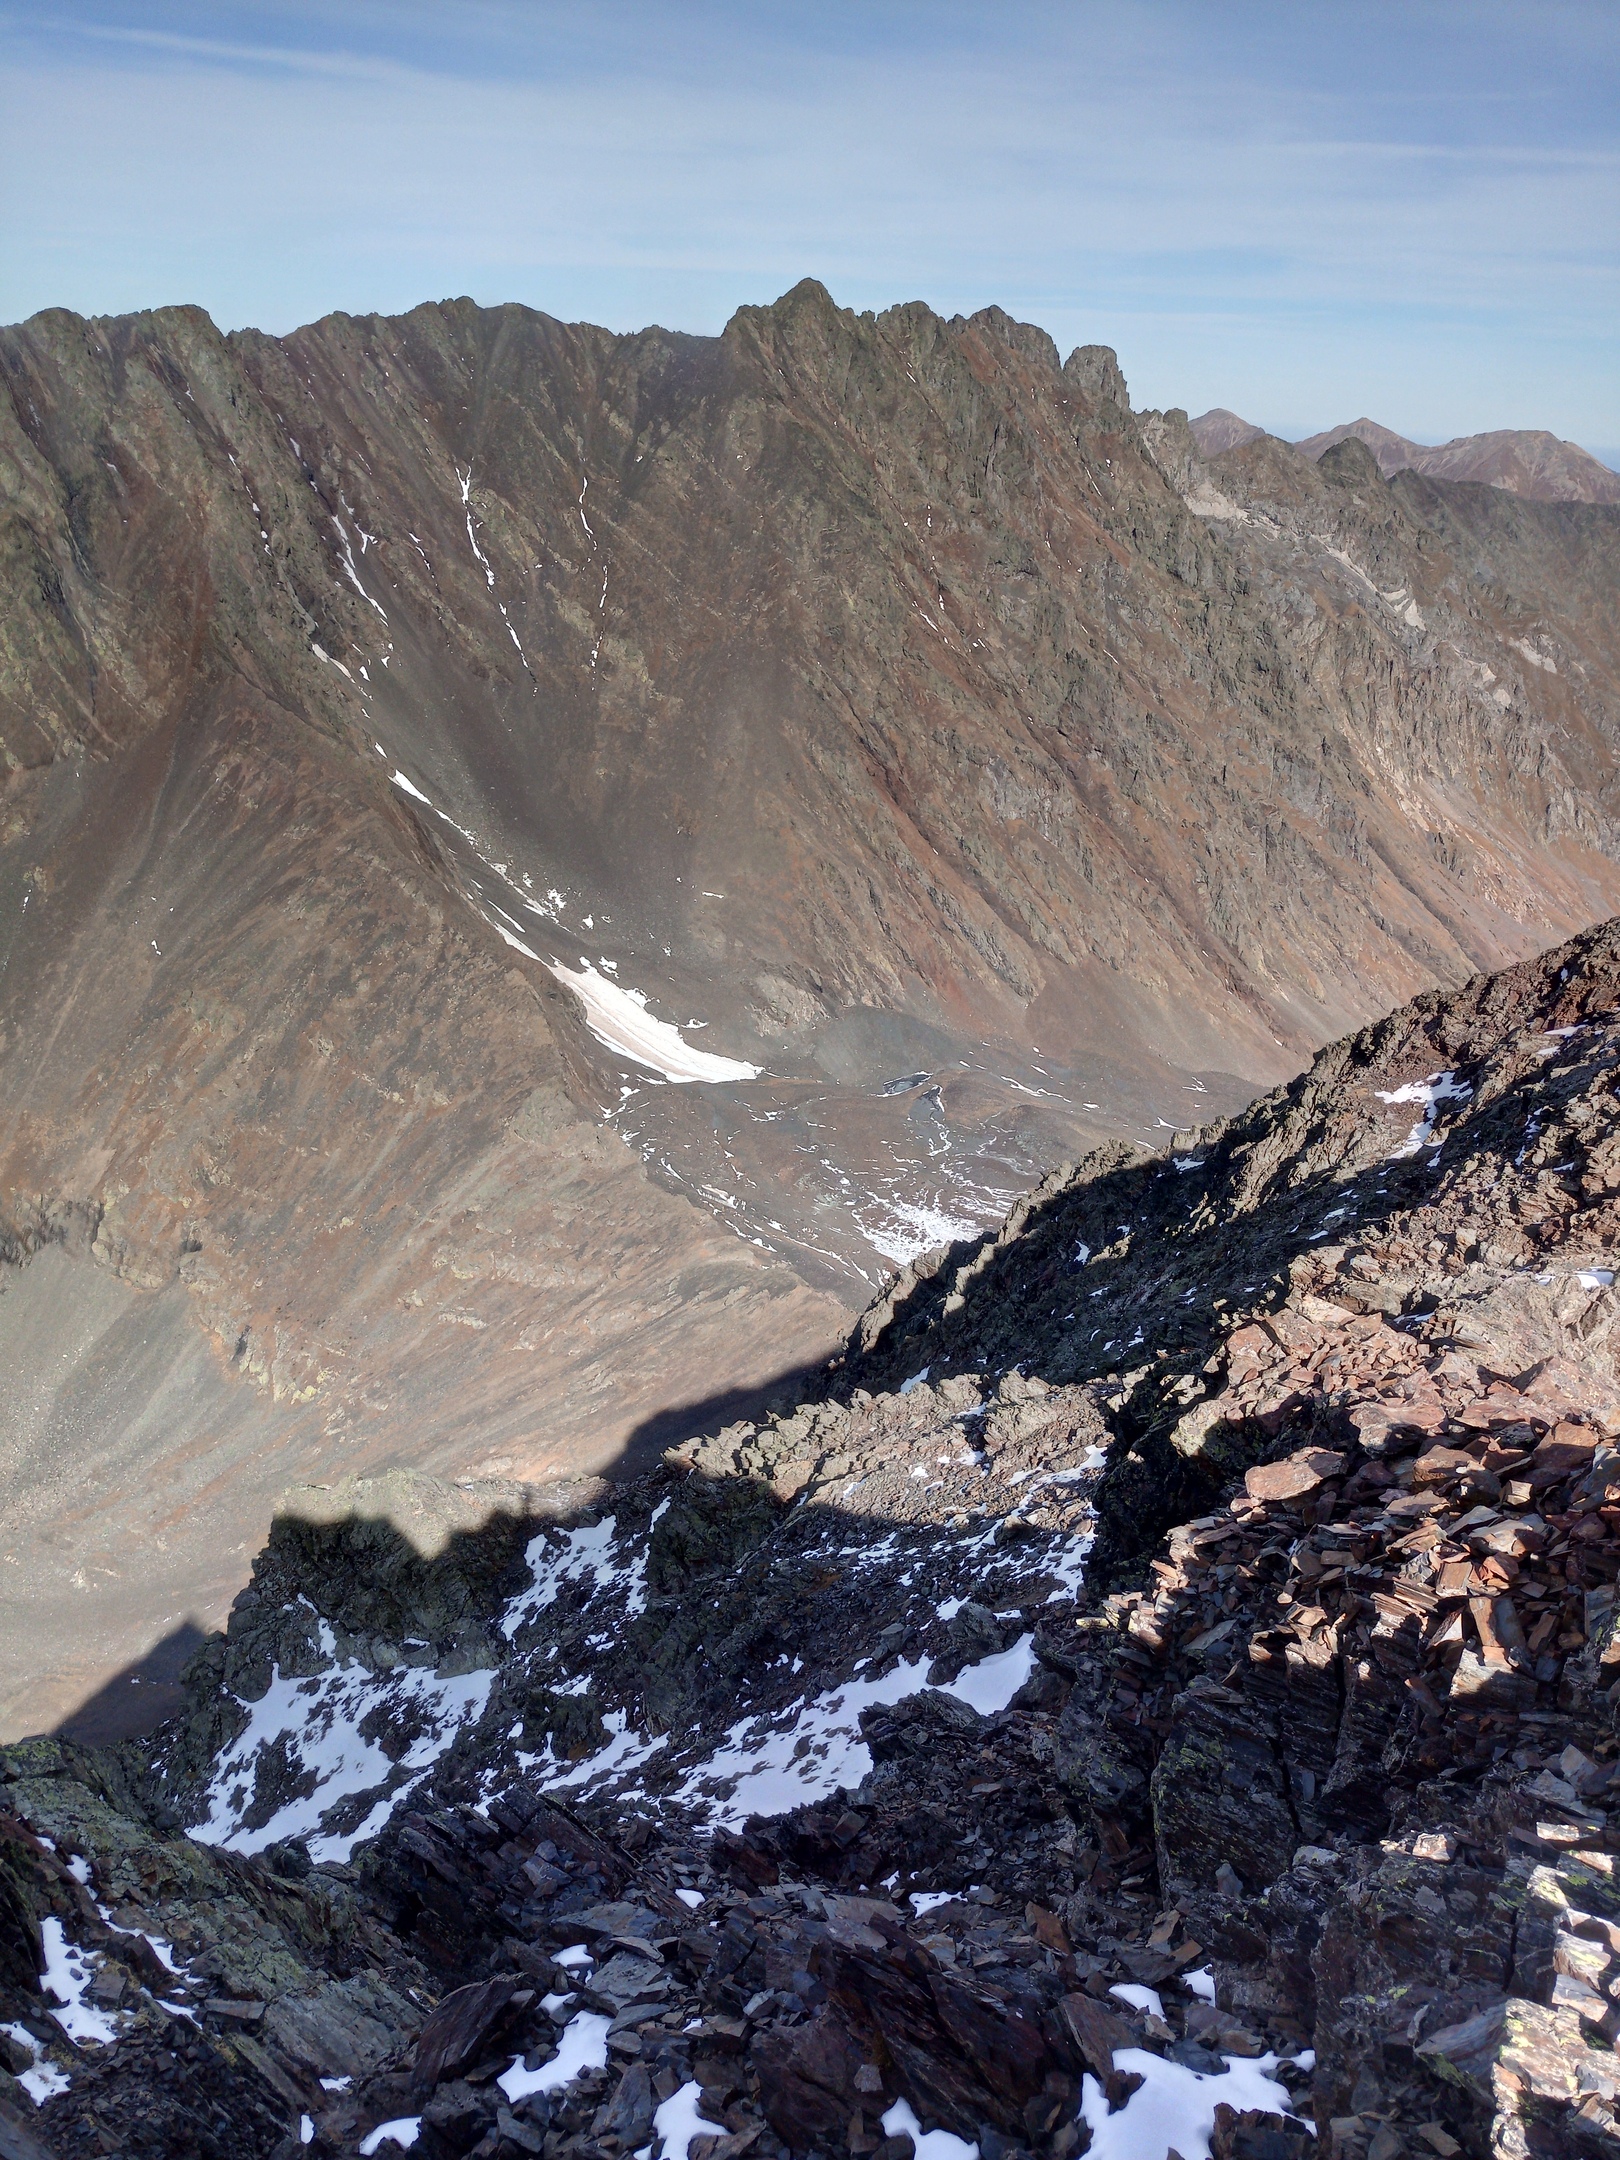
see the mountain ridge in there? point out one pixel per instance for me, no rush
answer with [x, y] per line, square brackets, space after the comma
[387, 707]
[1529, 462]
[913, 1759]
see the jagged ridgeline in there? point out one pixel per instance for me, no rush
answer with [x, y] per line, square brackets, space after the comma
[1156, 1690]
[537, 866]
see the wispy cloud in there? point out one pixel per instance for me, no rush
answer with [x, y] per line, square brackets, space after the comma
[1300, 212]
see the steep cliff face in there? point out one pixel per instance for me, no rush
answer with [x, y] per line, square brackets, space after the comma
[413, 728]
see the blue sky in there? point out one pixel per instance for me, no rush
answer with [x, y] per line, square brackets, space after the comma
[1305, 211]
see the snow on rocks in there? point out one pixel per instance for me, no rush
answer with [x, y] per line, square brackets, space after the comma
[556, 1558]
[402, 2130]
[1173, 2109]
[42, 2079]
[1440, 1087]
[583, 2046]
[312, 1728]
[767, 1766]
[903, 1230]
[68, 1976]
[679, 2120]
[901, 2121]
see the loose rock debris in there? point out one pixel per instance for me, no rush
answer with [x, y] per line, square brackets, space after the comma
[1213, 1754]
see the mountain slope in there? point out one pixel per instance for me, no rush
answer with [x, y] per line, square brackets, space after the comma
[1525, 461]
[387, 708]
[829, 1785]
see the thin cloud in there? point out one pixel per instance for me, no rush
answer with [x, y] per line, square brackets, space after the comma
[1273, 222]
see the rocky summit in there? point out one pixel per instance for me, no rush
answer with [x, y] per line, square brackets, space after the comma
[1154, 1691]
[538, 866]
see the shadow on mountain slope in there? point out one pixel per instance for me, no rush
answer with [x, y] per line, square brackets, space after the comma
[706, 1414]
[140, 1697]
[853, 1678]
[1418, 1112]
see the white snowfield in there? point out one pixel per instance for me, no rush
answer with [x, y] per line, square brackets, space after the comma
[616, 1016]
[619, 1018]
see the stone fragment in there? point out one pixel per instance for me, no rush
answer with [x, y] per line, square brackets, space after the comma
[1566, 1450]
[1097, 2032]
[1465, 2054]
[624, 1979]
[1477, 1685]
[1294, 1477]
[454, 2036]
[1437, 1466]
[629, 2114]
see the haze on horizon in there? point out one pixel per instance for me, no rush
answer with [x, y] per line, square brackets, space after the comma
[1301, 213]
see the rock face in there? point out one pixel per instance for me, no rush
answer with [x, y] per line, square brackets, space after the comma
[1189, 1725]
[385, 709]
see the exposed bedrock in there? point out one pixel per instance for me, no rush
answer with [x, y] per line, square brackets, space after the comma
[385, 709]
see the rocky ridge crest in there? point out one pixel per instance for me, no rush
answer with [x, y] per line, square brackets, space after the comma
[1206, 1714]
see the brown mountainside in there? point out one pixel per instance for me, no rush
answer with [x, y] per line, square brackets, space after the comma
[875, 691]
[1221, 429]
[1525, 461]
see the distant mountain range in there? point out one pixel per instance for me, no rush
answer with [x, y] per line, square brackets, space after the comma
[1526, 461]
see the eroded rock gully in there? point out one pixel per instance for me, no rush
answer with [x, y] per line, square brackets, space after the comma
[1197, 1731]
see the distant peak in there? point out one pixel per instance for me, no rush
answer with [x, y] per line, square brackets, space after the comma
[1522, 461]
[1221, 429]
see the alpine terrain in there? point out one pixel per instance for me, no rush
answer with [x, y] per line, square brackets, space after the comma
[538, 867]
[1154, 1691]
[1525, 461]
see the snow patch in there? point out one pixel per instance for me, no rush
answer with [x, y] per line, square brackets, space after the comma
[42, 2081]
[905, 1231]
[678, 2122]
[555, 1559]
[1140, 1998]
[403, 2130]
[583, 2046]
[315, 1723]
[1173, 2109]
[67, 1975]
[766, 1767]
[1536, 658]
[618, 1017]
[1438, 1088]
[901, 2121]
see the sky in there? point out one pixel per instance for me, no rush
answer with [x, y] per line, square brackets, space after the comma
[1305, 210]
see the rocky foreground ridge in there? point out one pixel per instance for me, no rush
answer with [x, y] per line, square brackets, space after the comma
[1157, 1691]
